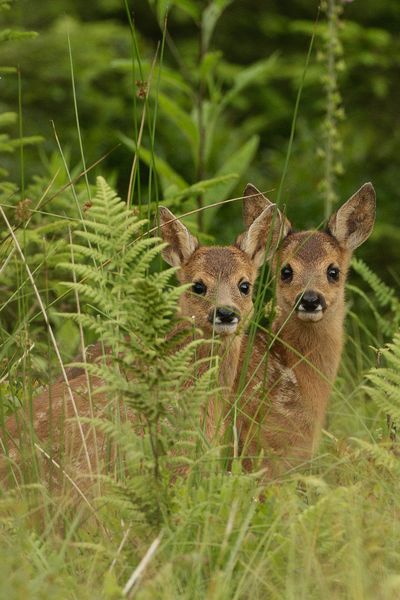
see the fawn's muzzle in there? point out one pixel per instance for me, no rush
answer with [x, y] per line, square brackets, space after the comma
[224, 317]
[310, 302]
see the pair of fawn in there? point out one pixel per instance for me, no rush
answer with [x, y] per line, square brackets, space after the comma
[283, 381]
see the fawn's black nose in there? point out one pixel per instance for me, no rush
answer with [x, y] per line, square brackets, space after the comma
[310, 301]
[224, 314]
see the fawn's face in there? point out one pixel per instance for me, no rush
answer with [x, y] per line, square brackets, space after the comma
[311, 272]
[311, 266]
[220, 296]
[221, 279]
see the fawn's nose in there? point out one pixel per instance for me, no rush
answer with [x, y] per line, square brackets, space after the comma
[310, 301]
[224, 314]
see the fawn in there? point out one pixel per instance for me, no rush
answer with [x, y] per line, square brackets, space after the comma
[219, 301]
[290, 371]
[221, 278]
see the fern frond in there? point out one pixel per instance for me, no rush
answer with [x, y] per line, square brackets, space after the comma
[121, 434]
[380, 455]
[91, 252]
[84, 271]
[152, 364]
[384, 295]
[146, 258]
[386, 298]
[385, 388]
[385, 325]
[140, 247]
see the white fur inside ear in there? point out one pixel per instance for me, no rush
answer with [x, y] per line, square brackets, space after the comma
[254, 202]
[181, 243]
[263, 236]
[352, 224]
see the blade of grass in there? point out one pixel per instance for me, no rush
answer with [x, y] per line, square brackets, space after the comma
[77, 116]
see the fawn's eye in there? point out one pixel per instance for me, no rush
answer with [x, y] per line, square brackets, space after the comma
[287, 273]
[199, 288]
[244, 287]
[333, 273]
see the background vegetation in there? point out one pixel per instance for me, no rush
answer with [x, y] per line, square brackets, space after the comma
[299, 99]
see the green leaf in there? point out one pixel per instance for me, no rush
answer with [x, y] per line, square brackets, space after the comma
[5, 143]
[182, 120]
[210, 18]
[10, 34]
[8, 118]
[7, 70]
[68, 337]
[235, 166]
[163, 7]
[209, 62]
[259, 71]
[172, 78]
[31, 140]
[189, 7]
[167, 173]
[53, 226]
[200, 187]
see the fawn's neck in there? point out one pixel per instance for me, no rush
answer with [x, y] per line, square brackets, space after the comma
[227, 348]
[313, 351]
[228, 351]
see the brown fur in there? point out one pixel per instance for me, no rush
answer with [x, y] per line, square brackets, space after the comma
[221, 269]
[291, 371]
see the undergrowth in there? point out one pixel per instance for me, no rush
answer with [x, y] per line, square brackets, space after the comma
[215, 535]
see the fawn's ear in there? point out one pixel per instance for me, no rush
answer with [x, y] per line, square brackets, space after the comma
[254, 202]
[263, 236]
[353, 222]
[181, 243]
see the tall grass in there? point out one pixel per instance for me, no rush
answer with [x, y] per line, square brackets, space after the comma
[330, 530]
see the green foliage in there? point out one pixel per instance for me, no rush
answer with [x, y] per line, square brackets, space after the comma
[7, 144]
[386, 381]
[211, 169]
[42, 222]
[385, 305]
[249, 76]
[131, 311]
